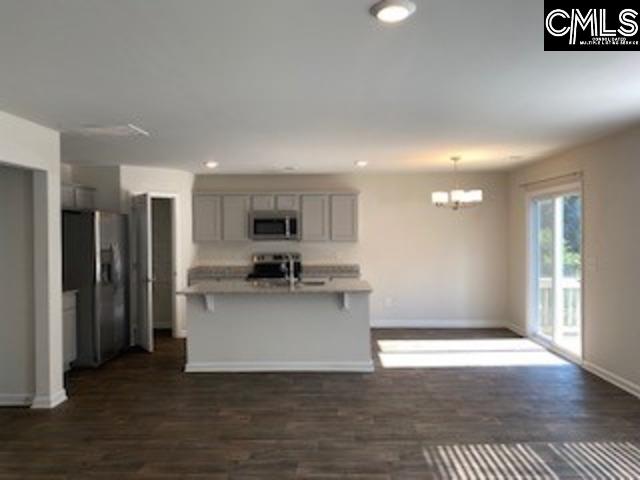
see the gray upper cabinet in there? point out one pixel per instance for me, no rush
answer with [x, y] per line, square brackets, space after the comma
[263, 202]
[235, 218]
[344, 218]
[324, 216]
[68, 194]
[275, 202]
[78, 197]
[207, 218]
[288, 202]
[85, 198]
[315, 218]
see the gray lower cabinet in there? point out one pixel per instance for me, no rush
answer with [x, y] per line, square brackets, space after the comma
[235, 218]
[315, 218]
[207, 218]
[344, 218]
[69, 328]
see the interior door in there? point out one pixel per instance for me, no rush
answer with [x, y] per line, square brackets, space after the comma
[143, 270]
[557, 272]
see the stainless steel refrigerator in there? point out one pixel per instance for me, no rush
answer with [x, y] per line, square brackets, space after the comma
[95, 263]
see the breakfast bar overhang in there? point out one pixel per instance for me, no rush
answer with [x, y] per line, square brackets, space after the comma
[239, 326]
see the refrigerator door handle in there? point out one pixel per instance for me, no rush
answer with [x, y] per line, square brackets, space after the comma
[98, 260]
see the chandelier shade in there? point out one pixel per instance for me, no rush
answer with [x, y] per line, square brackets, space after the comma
[457, 198]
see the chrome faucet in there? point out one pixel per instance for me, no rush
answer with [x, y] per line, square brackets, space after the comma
[291, 271]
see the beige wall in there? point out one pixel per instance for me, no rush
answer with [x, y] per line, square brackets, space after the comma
[611, 184]
[428, 266]
[105, 180]
[17, 324]
[66, 173]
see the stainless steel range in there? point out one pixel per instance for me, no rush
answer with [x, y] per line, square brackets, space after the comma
[284, 266]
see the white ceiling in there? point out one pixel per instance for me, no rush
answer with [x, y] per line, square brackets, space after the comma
[317, 84]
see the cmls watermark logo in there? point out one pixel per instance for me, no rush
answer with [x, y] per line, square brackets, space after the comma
[577, 27]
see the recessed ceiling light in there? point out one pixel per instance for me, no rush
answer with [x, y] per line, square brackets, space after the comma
[211, 164]
[361, 163]
[393, 11]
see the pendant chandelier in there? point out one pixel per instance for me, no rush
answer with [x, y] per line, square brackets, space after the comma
[457, 198]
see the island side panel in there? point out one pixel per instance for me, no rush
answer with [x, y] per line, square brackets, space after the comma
[279, 332]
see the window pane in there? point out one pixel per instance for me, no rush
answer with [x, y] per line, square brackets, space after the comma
[546, 214]
[572, 236]
[569, 323]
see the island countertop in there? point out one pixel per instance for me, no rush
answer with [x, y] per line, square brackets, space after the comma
[336, 285]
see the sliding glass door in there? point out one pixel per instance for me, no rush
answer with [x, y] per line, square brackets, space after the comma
[556, 271]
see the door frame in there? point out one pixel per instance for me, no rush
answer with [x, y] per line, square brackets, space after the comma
[175, 240]
[173, 198]
[531, 268]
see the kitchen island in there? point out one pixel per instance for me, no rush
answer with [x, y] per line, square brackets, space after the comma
[245, 326]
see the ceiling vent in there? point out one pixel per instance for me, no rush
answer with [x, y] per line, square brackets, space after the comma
[128, 130]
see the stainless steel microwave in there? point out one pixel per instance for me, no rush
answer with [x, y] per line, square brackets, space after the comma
[274, 225]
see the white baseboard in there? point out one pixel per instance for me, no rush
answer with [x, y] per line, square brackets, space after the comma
[611, 377]
[517, 329]
[15, 399]
[180, 334]
[204, 367]
[603, 373]
[49, 401]
[436, 323]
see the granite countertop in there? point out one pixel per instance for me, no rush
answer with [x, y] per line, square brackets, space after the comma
[336, 285]
[204, 273]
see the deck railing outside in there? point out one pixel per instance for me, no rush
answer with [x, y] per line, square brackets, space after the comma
[571, 306]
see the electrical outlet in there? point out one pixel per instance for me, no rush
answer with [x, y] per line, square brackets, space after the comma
[388, 302]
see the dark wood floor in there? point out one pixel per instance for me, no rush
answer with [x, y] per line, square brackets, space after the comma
[141, 417]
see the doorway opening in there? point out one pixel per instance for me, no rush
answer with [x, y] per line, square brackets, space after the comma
[555, 269]
[155, 231]
[162, 263]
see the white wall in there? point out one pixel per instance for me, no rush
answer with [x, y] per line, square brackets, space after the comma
[105, 180]
[17, 324]
[427, 266]
[611, 185]
[31, 146]
[137, 180]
